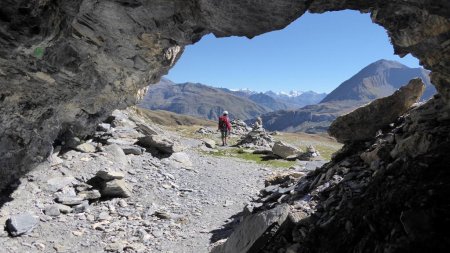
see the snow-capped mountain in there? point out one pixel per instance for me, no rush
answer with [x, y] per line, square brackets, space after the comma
[296, 99]
[292, 93]
[293, 99]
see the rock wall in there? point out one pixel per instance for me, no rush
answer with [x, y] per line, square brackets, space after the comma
[65, 65]
[384, 194]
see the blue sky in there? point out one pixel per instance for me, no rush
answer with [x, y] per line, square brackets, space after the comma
[316, 52]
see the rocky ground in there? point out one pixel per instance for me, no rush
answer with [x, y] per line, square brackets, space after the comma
[177, 203]
[386, 190]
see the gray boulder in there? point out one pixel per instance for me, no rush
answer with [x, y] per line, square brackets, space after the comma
[250, 233]
[115, 188]
[69, 200]
[182, 159]
[86, 148]
[161, 143]
[363, 123]
[285, 150]
[52, 210]
[116, 155]
[21, 224]
[58, 183]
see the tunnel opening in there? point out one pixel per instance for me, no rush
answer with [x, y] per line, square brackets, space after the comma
[299, 78]
[403, 154]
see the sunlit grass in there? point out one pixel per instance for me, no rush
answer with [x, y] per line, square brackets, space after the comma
[323, 143]
[257, 158]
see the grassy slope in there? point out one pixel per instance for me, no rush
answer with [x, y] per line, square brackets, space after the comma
[187, 125]
[322, 142]
[260, 159]
[167, 118]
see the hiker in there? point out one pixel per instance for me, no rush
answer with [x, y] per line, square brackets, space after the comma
[224, 127]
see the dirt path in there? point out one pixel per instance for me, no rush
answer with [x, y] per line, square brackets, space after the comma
[222, 187]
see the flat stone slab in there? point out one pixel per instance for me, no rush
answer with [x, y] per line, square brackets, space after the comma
[86, 148]
[20, 224]
[70, 200]
[108, 175]
[57, 183]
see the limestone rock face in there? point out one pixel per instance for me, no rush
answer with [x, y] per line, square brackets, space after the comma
[66, 65]
[364, 122]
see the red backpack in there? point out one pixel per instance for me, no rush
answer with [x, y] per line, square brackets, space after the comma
[223, 123]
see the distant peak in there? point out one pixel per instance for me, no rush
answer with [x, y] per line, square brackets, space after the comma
[387, 64]
[292, 93]
[246, 90]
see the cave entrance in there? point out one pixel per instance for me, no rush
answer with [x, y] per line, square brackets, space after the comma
[305, 64]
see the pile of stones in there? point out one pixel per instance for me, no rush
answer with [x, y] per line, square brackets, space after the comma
[72, 196]
[257, 138]
[117, 138]
[310, 154]
[239, 127]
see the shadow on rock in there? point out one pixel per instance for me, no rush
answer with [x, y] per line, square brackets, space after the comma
[226, 230]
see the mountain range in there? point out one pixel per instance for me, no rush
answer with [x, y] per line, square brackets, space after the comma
[199, 100]
[280, 100]
[207, 102]
[292, 112]
[377, 80]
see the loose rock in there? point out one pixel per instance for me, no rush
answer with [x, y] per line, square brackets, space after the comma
[108, 175]
[70, 200]
[86, 148]
[115, 188]
[90, 195]
[285, 150]
[161, 143]
[52, 210]
[20, 224]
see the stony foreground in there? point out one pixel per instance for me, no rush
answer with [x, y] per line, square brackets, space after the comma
[176, 204]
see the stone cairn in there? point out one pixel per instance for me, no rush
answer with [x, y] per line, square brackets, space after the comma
[310, 154]
[239, 127]
[258, 137]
